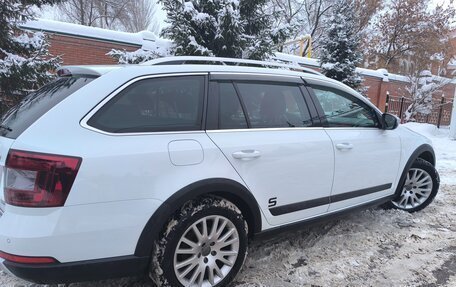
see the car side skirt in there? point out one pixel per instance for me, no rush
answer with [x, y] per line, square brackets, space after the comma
[320, 219]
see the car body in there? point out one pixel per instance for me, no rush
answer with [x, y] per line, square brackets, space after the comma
[130, 179]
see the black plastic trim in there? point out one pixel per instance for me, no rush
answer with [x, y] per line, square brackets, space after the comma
[284, 209]
[60, 273]
[318, 220]
[212, 106]
[243, 106]
[311, 106]
[226, 188]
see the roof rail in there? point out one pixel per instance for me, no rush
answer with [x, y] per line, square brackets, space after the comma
[181, 60]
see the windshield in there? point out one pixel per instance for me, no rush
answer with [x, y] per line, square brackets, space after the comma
[36, 104]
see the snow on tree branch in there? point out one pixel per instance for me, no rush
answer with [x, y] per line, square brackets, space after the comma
[421, 89]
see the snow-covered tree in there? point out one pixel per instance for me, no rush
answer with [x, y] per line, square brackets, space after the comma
[421, 88]
[339, 54]
[152, 50]
[224, 28]
[25, 63]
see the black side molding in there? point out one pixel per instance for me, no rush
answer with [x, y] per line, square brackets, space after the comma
[288, 208]
[280, 210]
[360, 192]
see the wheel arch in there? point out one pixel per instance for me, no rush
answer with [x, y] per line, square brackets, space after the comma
[225, 188]
[425, 152]
[428, 155]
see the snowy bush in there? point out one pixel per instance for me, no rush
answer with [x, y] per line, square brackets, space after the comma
[420, 90]
[135, 57]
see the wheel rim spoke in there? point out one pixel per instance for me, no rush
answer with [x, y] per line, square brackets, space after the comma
[227, 235]
[214, 227]
[191, 260]
[209, 260]
[198, 234]
[226, 261]
[211, 276]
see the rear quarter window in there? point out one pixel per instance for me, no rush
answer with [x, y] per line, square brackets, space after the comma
[36, 104]
[154, 105]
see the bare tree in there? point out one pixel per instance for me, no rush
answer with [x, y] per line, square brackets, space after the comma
[82, 12]
[140, 16]
[306, 17]
[125, 15]
[408, 30]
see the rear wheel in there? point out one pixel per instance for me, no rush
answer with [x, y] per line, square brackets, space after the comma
[205, 244]
[419, 189]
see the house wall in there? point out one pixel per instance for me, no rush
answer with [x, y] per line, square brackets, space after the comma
[84, 51]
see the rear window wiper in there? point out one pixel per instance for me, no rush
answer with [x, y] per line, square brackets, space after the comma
[3, 127]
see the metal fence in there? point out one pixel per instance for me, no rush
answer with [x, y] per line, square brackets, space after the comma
[439, 115]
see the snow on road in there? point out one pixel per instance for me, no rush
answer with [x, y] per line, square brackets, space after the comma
[368, 248]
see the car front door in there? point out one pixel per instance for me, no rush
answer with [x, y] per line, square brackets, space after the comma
[265, 130]
[366, 157]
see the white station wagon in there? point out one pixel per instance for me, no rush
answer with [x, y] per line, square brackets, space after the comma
[168, 168]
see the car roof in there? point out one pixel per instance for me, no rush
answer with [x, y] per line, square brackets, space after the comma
[166, 68]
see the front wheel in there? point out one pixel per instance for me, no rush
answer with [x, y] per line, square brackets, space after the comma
[205, 244]
[419, 189]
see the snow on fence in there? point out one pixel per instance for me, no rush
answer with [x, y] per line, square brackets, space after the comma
[439, 115]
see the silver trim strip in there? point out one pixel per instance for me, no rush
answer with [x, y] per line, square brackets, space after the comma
[85, 119]
[287, 129]
[263, 129]
[259, 74]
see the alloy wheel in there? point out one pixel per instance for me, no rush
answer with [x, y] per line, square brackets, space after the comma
[206, 252]
[416, 190]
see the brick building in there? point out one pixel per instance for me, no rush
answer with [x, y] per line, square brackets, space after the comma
[80, 45]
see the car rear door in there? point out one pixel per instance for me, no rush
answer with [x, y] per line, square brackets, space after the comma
[366, 156]
[264, 127]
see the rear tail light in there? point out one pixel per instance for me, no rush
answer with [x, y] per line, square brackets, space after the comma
[26, 259]
[39, 180]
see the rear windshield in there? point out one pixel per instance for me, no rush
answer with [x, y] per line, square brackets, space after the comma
[36, 104]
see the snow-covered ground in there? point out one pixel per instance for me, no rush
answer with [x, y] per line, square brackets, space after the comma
[368, 248]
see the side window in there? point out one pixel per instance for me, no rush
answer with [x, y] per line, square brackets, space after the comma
[344, 110]
[159, 104]
[274, 105]
[231, 115]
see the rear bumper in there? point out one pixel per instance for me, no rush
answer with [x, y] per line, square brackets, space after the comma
[81, 271]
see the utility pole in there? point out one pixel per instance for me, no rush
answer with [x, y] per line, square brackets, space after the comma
[453, 117]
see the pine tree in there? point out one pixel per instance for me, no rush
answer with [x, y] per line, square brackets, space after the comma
[339, 53]
[223, 28]
[25, 63]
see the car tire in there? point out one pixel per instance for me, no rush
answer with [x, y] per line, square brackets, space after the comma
[209, 234]
[419, 188]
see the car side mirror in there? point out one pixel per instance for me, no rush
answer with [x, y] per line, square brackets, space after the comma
[389, 121]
